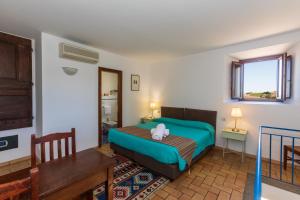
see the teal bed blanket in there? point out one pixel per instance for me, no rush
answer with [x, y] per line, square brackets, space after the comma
[202, 133]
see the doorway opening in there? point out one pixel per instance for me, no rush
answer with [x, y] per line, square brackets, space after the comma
[109, 102]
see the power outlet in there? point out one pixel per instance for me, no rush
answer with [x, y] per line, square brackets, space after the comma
[9, 142]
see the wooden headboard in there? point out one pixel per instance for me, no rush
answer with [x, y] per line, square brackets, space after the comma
[207, 116]
[171, 112]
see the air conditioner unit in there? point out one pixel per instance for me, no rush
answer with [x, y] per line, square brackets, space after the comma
[78, 53]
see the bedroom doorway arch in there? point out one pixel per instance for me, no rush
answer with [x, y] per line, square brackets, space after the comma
[109, 102]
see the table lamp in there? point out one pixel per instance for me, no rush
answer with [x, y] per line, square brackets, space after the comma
[236, 113]
[152, 107]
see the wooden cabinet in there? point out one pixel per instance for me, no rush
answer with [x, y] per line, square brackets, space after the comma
[15, 82]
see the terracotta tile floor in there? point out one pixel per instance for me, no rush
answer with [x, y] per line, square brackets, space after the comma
[211, 178]
[214, 178]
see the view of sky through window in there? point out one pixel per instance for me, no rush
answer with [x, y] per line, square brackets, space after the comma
[260, 79]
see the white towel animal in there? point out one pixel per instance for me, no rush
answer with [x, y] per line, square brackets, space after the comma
[159, 132]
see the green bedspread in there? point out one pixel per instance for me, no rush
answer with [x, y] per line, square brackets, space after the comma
[202, 133]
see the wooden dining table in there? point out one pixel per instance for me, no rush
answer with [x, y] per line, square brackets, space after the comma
[69, 178]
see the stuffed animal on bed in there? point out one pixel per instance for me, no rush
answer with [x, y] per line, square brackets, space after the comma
[159, 132]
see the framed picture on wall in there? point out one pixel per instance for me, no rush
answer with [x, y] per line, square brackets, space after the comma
[135, 82]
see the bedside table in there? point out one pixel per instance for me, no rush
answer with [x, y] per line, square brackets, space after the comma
[229, 134]
[146, 119]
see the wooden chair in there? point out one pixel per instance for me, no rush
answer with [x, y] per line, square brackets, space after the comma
[286, 157]
[50, 139]
[13, 190]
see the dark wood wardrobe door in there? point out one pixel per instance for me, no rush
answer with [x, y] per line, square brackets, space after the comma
[15, 82]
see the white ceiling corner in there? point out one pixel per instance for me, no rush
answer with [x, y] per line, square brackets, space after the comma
[152, 29]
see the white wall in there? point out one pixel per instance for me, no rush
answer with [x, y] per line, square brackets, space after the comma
[109, 82]
[196, 81]
[72, 101]
[39, 84]
[203, 80]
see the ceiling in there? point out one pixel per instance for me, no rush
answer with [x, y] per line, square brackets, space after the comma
[152, 29]
[265, 51]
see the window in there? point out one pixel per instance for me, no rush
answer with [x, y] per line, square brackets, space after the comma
[262, 79]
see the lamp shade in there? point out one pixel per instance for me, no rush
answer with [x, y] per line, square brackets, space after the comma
[152, 105]
[236, 112]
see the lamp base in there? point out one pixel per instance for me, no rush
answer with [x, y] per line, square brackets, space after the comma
[235, 129]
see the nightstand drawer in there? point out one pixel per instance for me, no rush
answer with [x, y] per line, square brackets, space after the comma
[234, 136]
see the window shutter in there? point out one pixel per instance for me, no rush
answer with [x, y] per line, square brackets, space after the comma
[236, 80]
[280, 78]
[15, 82]
[288, 77]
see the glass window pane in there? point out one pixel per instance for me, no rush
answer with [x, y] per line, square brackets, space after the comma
[260, 80]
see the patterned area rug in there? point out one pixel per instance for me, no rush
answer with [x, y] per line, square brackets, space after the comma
[132, 181]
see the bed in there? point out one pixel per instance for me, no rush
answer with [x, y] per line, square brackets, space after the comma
[199, 125]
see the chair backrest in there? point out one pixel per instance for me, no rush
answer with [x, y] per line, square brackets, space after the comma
[50, 139]
[14, 189]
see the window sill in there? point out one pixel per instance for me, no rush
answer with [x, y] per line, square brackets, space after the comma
[255, 102]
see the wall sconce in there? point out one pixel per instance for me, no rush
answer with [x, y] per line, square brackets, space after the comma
[70, 70]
